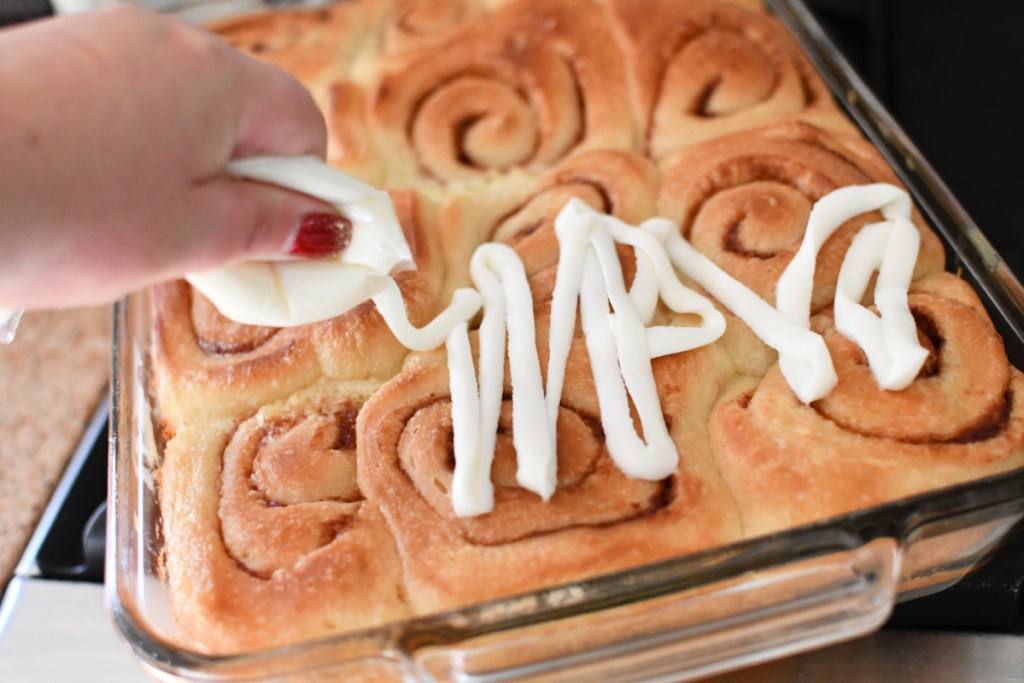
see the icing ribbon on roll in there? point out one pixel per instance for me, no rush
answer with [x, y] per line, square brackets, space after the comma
[889, 341]
[476, 397]
[620, 345]
[803, 356]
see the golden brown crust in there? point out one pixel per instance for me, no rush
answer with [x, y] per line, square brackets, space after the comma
[598, 520]
[262, 549]
[744, 200]
[704, 69]
[962, 418]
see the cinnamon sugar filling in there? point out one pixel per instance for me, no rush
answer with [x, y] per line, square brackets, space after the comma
[591, 491]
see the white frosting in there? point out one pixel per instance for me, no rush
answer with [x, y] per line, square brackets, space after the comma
[9, 319]
[803, 356]
[890, 341]
[464, 305]
[278, 293]
[508, 310]
[615, 321]
[472, 491]
[619, 345]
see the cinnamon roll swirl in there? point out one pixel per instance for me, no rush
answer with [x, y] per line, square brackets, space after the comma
[269, 537]
[961, 419]
[700, 69]
[744, 200]
[522, 87]
[598, 520]
[208, 366]
[523, 212]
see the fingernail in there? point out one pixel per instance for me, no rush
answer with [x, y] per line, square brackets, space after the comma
[320, 235]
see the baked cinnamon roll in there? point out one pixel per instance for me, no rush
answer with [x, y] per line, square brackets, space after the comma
[961, 419]
[522, 87]
[744, 200]
[700, 69]
[269, 538]
[598, 520]
[208, 366]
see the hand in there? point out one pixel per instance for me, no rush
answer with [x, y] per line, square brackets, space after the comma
[116, 127]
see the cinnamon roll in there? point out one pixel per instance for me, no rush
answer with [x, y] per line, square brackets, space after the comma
[313, 44]
[744, 200]
[523, 212]
[598, 520]
[269, 538]
[700, 69]
[961, 419]
[522, 87]
[209, 366]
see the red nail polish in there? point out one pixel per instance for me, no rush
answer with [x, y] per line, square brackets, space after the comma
[320, 235]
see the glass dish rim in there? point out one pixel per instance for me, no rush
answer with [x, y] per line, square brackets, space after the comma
[895, 519]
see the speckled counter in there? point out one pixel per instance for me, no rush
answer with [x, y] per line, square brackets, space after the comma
[51, 380]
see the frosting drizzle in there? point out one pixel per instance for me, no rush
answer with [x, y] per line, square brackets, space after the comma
[619, 343]
[615, 320]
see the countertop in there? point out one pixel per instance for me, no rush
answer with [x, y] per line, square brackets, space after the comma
[51, 380]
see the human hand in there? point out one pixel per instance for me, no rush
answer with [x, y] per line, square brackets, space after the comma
[117, 125]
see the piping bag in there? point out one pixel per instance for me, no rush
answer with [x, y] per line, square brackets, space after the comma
[296, 292]
[290, 292]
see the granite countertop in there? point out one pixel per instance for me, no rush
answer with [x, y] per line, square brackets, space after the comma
[52, 378]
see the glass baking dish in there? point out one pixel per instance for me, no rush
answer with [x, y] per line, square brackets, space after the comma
[679, 619]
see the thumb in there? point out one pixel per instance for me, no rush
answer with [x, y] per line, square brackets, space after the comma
[248, 220]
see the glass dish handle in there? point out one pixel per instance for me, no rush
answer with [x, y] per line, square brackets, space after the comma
[753, 618]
